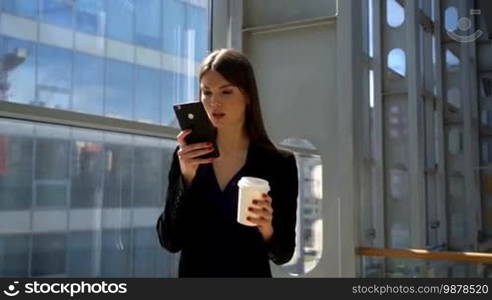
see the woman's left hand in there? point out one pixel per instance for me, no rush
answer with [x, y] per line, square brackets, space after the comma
[263, 210]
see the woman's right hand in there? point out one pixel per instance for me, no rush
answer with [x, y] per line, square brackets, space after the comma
[188, 156]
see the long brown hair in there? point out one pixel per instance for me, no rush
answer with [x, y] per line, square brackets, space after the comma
[236, 68]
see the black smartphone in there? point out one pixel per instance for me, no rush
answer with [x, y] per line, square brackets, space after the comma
[192, 115]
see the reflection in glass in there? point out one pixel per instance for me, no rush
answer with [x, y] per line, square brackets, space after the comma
[173, 27]
[148, 174]
[148, 23]
[147, 95]
[17, 76]
[88, 90]
[47, 250]
[81, 252]
[91, 16]
[119, 88]
[95, 197]
[57, 12]
[172, 87]
[118, 179]
[16, 169]
[145, 247]
[116, 253]
[14, 257]
[22, 8]
[197, 32]
[54, 78]
[88, 164]
[120, 21]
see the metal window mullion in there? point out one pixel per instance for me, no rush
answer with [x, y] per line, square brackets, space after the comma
[365, 171]
[415, 128]
[33, 203]
[378, 155]
[68, 118]
[441, 206]
[429, 129]
[470, 135]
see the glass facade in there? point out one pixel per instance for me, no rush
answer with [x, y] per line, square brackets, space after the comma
[77, 202]
[93, 56]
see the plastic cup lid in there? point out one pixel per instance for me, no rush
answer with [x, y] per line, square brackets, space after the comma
[255, 182]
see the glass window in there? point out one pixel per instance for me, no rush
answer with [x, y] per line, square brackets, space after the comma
[170, 86]
[48, 258]
[119, 90]
[17, 82]
[88, 162]
[52, 156]
[100, 172]
[173, 25]
[397, 61]
[116, 253]
[120, 20]
[16, 169]
[54, 81]
[148, 23]
[451, 19]
[51, 181]
[118, 176]
[23, 8]
[144, 246]
[147, 95]
[80, 251]
[57, 12]
[14, 255]
[196, 18]
[88, 93]
[91, 16]
[309, 227]
[395, 13]
[148, 174]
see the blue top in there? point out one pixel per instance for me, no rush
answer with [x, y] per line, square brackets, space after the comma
[201, 220]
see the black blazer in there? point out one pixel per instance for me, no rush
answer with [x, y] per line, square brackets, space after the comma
[200, 220]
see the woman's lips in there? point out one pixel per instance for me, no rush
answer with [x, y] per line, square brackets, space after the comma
[218, 116]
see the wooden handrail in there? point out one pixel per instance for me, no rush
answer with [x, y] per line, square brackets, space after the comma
[469, 257]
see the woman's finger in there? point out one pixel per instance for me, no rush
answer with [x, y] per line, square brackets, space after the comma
[181, 137]
[267, 198]
[261, 212]
[197, 153]
[196, 146]
[262, 203]
[259, 221]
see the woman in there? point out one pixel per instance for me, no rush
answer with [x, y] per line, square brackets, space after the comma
[199, 218]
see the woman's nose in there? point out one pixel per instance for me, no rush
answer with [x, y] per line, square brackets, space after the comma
[215, 101]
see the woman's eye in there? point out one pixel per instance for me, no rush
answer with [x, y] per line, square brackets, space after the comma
[207, 93]
[228, 92]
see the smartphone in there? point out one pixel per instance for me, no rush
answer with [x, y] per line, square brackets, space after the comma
[192, 115]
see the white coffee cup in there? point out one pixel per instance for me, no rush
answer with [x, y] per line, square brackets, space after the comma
[250, 188]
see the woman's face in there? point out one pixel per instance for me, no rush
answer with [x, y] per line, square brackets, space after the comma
[225, 103]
